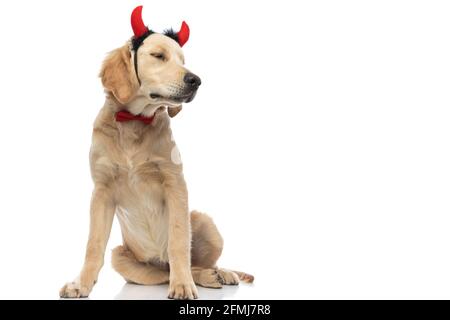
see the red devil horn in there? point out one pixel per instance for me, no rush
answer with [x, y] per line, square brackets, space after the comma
[183, 34]
[136, 22]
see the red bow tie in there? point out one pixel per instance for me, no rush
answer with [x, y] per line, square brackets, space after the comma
[123, 116]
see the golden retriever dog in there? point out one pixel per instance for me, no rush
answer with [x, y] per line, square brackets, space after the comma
[138, 175]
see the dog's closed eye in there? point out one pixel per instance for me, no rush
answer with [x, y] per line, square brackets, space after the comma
[158, 55]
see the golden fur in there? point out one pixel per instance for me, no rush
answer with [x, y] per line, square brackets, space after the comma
[138, 177]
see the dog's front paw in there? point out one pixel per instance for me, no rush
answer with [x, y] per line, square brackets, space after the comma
[74, 290]
[183, 290]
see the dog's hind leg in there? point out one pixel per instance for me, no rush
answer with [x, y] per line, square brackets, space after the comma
[134, 271]
[207, 245]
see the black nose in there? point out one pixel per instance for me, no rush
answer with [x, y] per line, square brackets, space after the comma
[192, 80]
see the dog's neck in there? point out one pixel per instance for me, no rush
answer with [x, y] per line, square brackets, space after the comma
[134, 130]
[142, 106]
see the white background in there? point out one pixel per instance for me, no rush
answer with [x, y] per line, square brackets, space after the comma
[319, 142]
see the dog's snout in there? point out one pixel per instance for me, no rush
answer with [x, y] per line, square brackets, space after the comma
[192, 80]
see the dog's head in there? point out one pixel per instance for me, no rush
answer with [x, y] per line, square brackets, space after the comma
[149, 72]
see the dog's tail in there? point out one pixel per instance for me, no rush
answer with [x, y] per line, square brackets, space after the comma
[245, 277]
[126, 264]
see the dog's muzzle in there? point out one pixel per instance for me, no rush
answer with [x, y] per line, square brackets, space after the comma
[185, 93]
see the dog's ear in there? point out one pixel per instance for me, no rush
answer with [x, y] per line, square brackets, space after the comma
[118, 76]
[174, 111]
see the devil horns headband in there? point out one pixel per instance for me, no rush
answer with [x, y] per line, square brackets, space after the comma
[141, 32]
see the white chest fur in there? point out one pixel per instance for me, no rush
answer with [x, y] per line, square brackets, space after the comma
[145, 233]
[142, 212]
